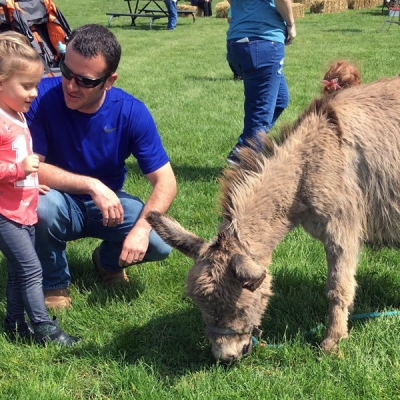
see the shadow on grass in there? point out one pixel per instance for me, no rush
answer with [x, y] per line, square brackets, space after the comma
[345, 30]
[142, 24]
[299, 305]
[175, 343]
[184, 172]
[86, 280]
[208, 78]
[170, 345]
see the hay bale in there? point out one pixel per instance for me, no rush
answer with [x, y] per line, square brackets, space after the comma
[221, 9]
[370, 3]
[317, 7]
[356, 4]
[328, 6]
[306, 3]
[298, 10]
[186, 7]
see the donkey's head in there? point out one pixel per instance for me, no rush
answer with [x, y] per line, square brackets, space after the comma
[228, 286]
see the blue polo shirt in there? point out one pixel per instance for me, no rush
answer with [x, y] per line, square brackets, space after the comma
[98, 144]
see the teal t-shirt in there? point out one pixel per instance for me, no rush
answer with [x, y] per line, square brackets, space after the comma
[256, 18]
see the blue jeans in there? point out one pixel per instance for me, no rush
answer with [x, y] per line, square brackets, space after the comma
[260, 63]
[24, 284]
[63, 217]
[172, 13]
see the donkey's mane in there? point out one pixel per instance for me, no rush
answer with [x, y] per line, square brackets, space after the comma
[237, 182]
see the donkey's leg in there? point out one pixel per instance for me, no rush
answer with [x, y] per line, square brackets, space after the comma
[342, 257]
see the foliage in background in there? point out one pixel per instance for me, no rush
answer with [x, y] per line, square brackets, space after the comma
[147, 341]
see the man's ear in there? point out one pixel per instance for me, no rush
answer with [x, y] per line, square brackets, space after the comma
[110, 81]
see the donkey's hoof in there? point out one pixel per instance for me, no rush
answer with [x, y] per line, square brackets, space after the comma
[330, 345]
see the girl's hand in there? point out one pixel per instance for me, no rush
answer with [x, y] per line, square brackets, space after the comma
[30, 164]
[43, 189]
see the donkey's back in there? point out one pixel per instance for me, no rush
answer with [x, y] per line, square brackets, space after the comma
[360, 174]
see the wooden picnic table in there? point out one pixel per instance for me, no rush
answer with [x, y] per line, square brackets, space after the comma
[151, 9]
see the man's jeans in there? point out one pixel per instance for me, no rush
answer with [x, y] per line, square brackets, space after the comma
[63, 217]
[260, 63]
[172, 13]
[24, 284]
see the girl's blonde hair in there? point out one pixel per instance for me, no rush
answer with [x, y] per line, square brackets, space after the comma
[16, 54]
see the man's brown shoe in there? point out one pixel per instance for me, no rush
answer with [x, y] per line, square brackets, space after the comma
[109, 278]
[57, 298]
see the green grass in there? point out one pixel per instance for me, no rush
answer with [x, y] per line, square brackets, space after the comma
[147, 341]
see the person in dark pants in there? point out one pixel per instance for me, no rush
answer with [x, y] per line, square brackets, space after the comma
[204, 5]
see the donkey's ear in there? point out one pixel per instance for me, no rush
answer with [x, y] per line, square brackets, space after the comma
[175, 235]
[247, 272]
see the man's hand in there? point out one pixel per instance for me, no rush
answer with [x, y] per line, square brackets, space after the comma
[109, 205]
[135, 244]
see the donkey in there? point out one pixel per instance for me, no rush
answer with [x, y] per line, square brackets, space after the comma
[336, 172]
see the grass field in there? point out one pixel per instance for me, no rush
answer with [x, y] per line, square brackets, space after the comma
[147, 341]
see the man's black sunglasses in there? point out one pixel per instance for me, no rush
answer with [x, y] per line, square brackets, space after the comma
[80, 80]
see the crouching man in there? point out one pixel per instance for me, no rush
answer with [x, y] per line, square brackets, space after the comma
[84, 129]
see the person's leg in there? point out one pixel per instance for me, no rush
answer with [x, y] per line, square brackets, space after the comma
[172, 13]
[282, 100]
[208, 9]
[262, 85]
[113, 238]
[201, 5]
[24, 287]
[60, 220]
[173, 19]
[24, 284]
[265, 89]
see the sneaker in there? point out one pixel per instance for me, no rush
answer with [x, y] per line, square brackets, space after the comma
[233, 158]
[57, 298]
[109, 278]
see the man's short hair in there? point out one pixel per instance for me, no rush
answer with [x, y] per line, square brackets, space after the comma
[91, 40]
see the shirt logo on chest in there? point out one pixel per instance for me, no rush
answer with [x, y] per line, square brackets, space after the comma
[108, 129]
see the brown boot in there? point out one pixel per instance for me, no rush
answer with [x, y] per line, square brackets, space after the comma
[109, 278]
[57, 298]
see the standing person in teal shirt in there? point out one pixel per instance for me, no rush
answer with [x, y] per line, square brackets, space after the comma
[236, 75]
[256, 39]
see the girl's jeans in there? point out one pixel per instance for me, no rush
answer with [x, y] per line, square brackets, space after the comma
[260, 63]
[24, 284]
[63, 217]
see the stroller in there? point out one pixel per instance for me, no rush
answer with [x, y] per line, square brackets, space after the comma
[42, 23]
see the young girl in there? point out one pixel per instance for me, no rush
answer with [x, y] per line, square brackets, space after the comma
[21, 69]
[341, 75]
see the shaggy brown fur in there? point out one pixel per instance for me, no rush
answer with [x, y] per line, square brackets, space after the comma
[337, 173]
